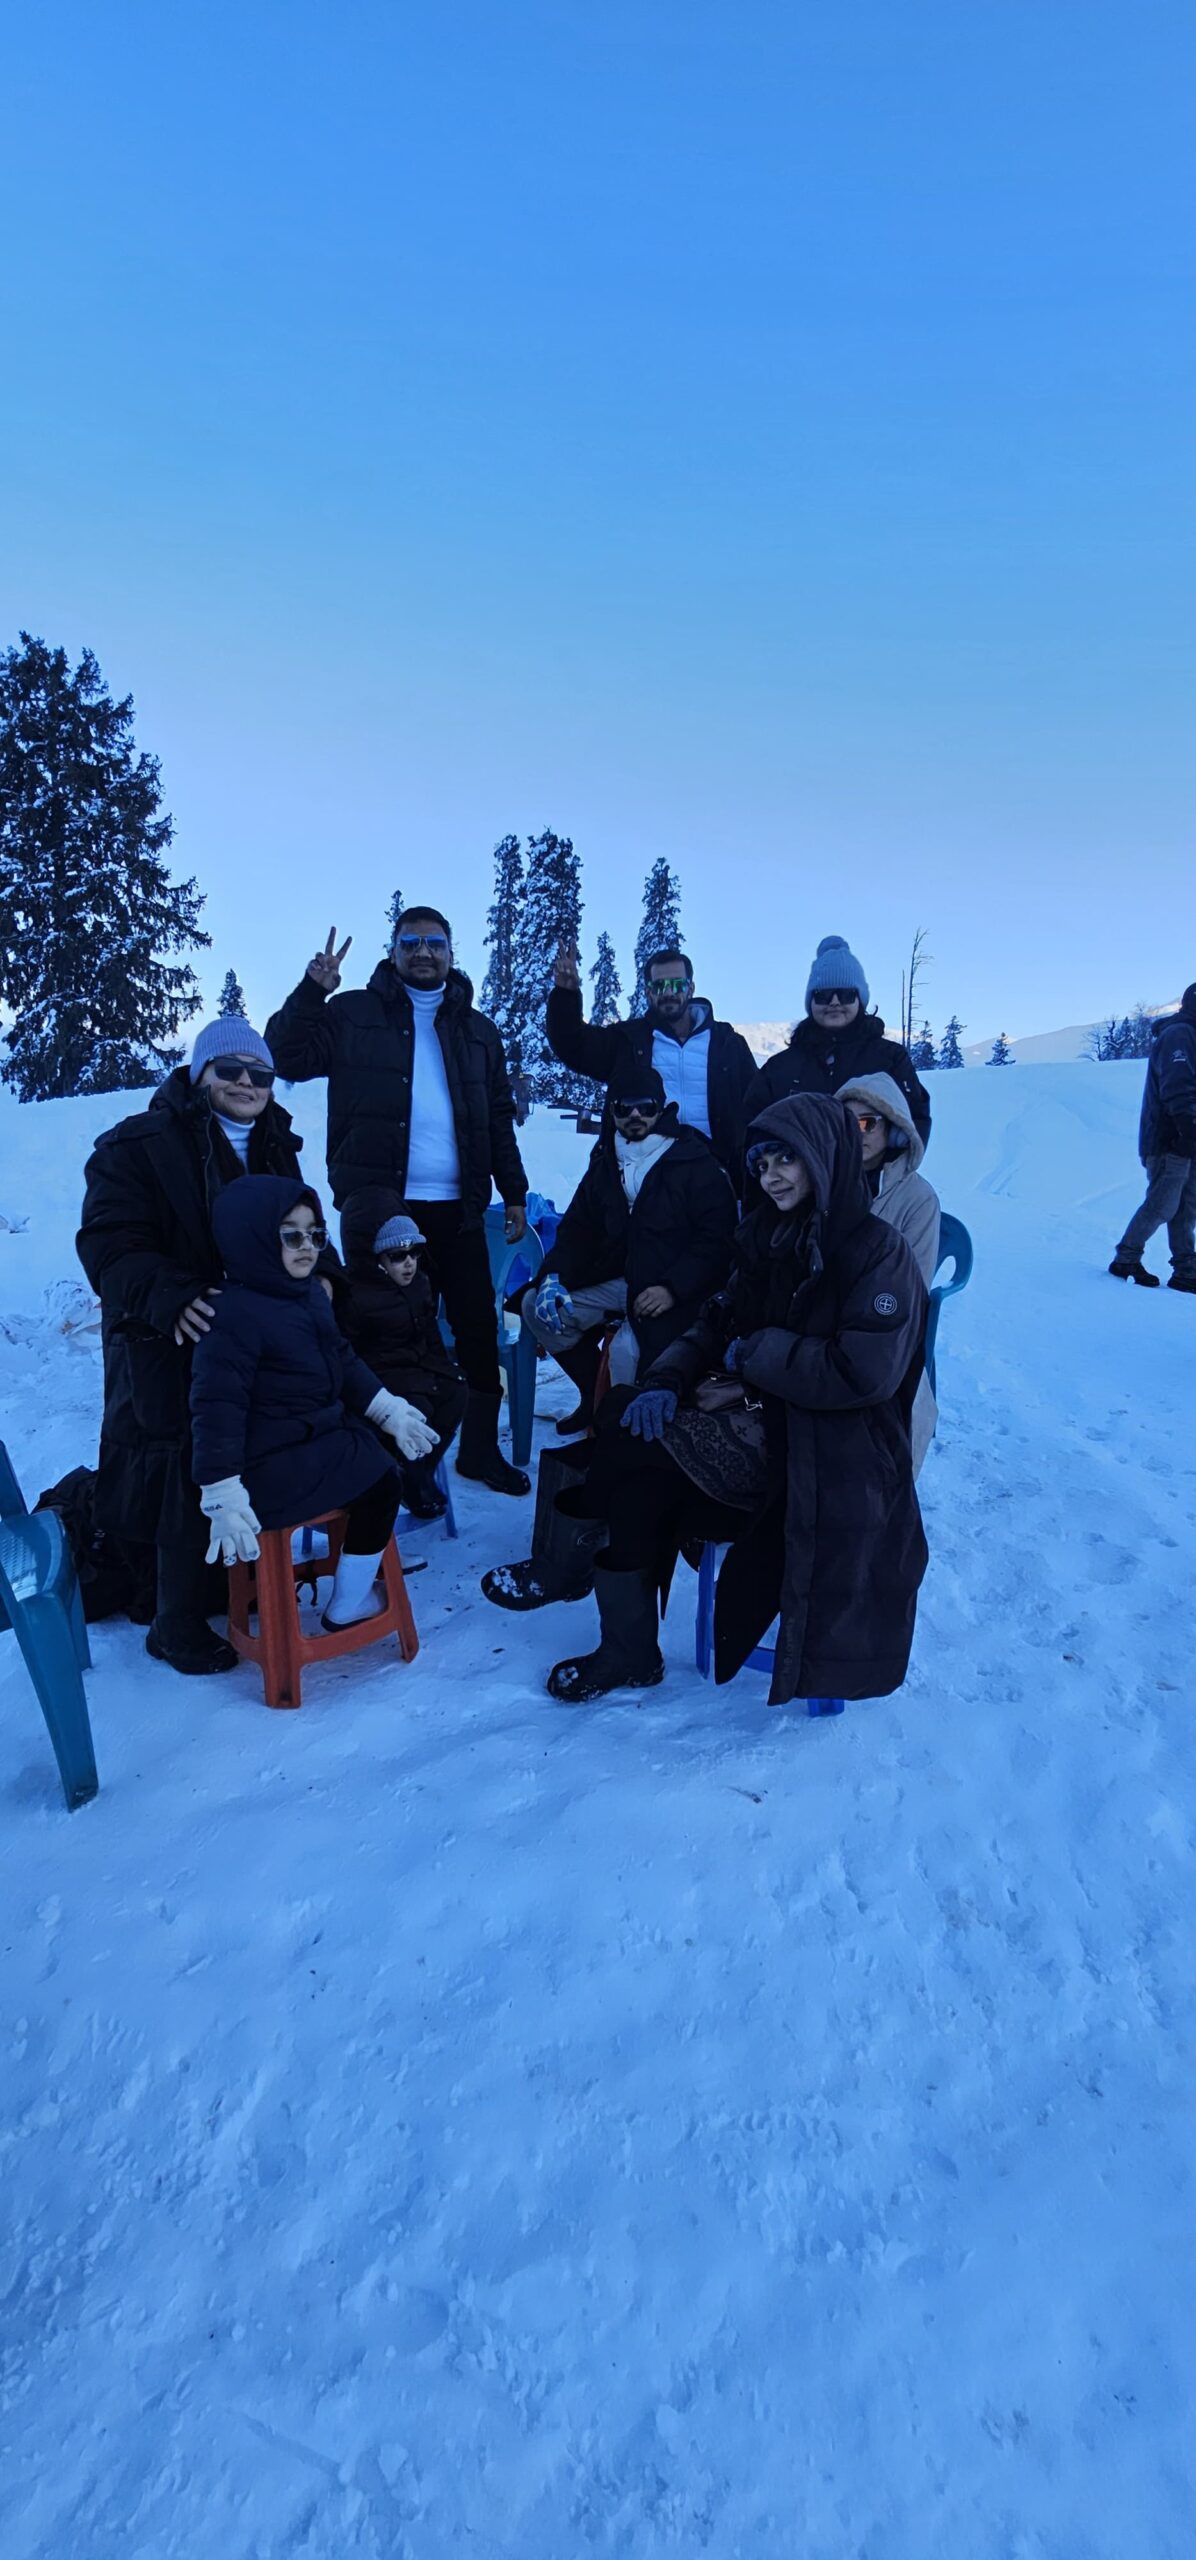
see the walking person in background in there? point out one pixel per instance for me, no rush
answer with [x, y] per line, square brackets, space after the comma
[1167, 1146]
[147, 1245]
[704, 1065]
[419, 1100]
[836, 1041]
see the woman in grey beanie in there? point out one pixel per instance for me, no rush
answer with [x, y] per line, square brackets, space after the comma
[836, 1041]
[147, 1247]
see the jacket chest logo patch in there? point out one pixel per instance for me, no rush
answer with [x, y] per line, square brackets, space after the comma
[885, 1305]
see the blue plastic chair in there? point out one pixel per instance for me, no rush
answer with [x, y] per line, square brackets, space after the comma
[761, 1657]
[512, 1265]
[39, 1600]
[13, 1505]
[955, 1247]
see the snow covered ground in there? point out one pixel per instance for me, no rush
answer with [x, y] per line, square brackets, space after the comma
[440, 2122]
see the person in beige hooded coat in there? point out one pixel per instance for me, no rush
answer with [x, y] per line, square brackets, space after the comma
[893, 1154]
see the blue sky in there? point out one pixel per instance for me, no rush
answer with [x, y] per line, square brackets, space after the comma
[758, 434]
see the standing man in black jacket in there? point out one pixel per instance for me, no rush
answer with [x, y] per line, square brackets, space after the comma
[1167, 1146]
[419, 1099]
[705, 1066]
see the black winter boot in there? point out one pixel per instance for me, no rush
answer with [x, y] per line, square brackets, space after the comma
[1133, 1271]
[478, 1454]
[180, 1634]
[561, 1563]
[1183, 1280]
[582, 1365]
[422, 1496]
[628, 1656]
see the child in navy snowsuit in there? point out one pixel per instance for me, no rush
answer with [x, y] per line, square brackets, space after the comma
[386, 1305]
[281, 1407]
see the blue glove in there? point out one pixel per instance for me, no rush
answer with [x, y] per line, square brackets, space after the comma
[649, 1414]
[553, 1304]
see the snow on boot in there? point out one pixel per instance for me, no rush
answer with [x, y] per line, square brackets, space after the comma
[560, 1566]
[353, 1596]
[628, 1656]
[1133, 1271]
[1185, 1280]
[189, 1645]
[478, 1454]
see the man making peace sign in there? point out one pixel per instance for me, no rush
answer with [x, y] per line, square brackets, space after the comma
[419, 1101]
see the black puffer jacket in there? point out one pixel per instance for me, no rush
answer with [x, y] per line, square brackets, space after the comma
[147, 1246]
[394, 1330]
[602, 1050]
[364, 1042]
[1168, 1123]
[831, 1310]
[818, 1061]
[676, 1236]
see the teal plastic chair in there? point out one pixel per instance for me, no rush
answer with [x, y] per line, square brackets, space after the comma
[39, 1601]
[517, 1358]
[955, 1247]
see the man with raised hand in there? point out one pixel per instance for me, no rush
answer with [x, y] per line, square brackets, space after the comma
[419, 1100]
[705, 1066]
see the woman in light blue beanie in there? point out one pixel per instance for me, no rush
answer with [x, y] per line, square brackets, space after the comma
[836, 1041]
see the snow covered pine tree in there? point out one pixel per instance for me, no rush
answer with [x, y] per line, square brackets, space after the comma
[950, 1053]
[503, 984]
[660, 929]
[923, 1054]
[604, 978]
[232, 999]
[551, 915]
[1002, 1055]
[86, 903]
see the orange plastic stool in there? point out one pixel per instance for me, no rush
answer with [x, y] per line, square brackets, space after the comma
[268, 1589]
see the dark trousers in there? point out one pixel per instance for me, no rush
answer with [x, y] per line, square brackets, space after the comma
[1171, 1202]
[649, 1501]
[371, 1515]
[459, 1267]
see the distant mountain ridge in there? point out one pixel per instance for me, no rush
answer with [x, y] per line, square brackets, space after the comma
[1038, 1048]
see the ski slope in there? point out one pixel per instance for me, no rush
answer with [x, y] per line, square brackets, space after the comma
[440, 2122]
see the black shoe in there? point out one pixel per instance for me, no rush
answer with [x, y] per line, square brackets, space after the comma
[423, 1499]
[1133, 1271]
[192, 1647]
[571, 1425]
[1182, 1280]
[628, 1656]
[479, 1458]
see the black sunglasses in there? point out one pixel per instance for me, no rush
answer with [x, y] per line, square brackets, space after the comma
[231, 1071]
[436, 942]
[401, 1253]
[645, 1103]
[835, 995]
[305, 1235]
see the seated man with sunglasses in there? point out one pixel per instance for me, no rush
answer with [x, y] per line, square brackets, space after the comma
[420, 1103]
[705, 1066]
[645, 1239]
[147, 1246]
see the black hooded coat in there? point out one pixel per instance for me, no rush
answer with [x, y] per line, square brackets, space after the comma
[831, 1310]
[147, 1245]
[678, 1234]
[277, 1395]
[364, 1042]
[394, 1330]
[1168, 1123]
[817, 1061]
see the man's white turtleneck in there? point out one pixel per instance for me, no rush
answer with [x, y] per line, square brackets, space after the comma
[433, 1157]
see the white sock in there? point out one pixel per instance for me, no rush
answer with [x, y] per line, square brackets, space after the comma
[353, 1595]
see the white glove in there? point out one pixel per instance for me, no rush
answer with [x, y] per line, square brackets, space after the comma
[235, 1523]
[415, 1437]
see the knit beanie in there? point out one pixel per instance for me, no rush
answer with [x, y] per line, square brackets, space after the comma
[230, 1037]
[1187, 1002]
[637, 1084]
[396, 1233]
[836, 966]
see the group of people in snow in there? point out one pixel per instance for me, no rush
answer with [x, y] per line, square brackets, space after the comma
[742, 1272]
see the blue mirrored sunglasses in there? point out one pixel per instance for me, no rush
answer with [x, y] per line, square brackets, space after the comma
[436, 942]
